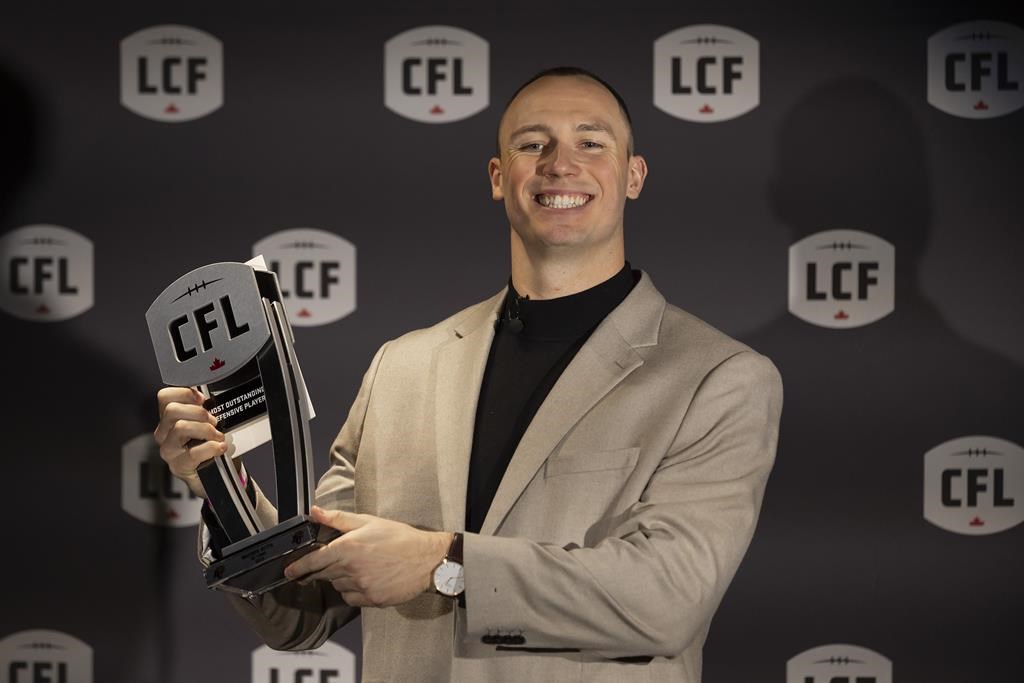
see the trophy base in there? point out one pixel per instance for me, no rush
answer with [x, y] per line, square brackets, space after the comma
[256, 565]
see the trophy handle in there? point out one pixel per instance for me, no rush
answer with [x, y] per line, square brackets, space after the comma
[295, 474]
[228, 499]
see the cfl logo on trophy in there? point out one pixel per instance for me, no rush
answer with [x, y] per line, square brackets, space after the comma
[329, 663]
[974, 485]
[436, 74]
[317, 273]
[148, 491]
[706, 73]
[47, 273]
[42, 656]
[208, 333]
[842, 279]
[839, 663]
[172, 73]
[976, 69]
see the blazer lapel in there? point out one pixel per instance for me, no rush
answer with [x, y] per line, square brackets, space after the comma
[607, 358]
[460, 369]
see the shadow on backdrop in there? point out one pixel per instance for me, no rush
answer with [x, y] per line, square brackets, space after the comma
[75, 561]
[843, 553]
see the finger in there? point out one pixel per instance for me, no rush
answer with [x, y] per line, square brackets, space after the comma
[339, 519]
[184, 431]
[185, 436]
[178, 395]
[332, 572]
[193, 457]
[175, 411]
[310, 563]
[187, 411]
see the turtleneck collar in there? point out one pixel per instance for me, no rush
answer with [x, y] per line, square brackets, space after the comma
[568, 317]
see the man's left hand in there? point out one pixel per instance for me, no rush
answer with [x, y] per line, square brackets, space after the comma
[376, 562]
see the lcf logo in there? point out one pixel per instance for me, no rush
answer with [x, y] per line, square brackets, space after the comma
[149, 492]
[172, 73]
[329, 663]
[706, 73]
[436, 74]
[842, 279]
[839, 663]
[317, 273]
[41, 656]
[974, 485]
[976, 69]
[46, 273]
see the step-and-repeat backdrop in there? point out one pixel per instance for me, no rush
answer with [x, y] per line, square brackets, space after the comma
[842, 190]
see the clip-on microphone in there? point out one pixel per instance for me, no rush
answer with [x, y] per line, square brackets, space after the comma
[511, 315]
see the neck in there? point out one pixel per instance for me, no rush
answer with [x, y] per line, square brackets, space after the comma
[559, 272]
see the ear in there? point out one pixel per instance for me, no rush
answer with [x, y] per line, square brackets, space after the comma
[637, 175]
[494, 171]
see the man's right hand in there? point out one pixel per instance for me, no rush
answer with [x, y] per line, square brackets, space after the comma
[182, 419]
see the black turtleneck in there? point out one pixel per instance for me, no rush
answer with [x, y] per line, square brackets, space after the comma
[524, 363]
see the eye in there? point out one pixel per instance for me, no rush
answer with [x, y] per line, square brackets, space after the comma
[591, 144]
[531, 147]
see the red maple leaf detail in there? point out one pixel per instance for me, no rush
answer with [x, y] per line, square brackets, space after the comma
[217, 364]
[977, 521]
[42, 309]
[304, 313]
[171, 109]
[436, 109]
[706, 109]
[981, 106]
[171, 514]
[841, 315]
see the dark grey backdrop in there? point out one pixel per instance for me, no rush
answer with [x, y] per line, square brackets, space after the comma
[843, 138]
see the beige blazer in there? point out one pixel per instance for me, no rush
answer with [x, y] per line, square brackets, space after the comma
[616, 529]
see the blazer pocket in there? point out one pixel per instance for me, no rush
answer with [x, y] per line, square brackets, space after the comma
[590, 461]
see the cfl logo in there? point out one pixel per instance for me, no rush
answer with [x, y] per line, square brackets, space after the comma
[973, 485]
[436, 74]
[976, 69]
[43, 656]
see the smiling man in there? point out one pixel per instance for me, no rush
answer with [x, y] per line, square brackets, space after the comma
[564, 170]
[555, 484]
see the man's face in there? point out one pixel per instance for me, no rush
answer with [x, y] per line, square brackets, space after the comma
[565, 170]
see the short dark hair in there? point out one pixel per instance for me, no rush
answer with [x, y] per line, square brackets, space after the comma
[578, 72]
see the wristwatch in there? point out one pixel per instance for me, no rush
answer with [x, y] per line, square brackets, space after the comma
[449, 576]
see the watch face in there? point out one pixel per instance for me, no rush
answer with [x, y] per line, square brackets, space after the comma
[449, 578]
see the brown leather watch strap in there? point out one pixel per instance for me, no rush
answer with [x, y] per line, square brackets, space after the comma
[455, 549]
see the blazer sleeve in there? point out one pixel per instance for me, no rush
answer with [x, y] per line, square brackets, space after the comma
[652, 585]
[294, 617]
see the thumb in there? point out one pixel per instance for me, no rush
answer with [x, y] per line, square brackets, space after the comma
[337, 519]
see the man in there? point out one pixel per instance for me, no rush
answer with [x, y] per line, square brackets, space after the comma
[594, 458]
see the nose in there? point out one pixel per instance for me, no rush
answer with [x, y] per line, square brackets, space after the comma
[558, 161]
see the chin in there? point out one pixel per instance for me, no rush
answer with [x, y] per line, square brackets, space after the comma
[562, 238]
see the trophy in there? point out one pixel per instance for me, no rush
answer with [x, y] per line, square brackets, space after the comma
[222, 329]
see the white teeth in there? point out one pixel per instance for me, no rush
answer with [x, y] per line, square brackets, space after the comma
[562, 201]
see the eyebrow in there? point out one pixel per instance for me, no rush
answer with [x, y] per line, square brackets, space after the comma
[588, 127]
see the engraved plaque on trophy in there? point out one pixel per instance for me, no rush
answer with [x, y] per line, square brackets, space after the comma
[222, 329]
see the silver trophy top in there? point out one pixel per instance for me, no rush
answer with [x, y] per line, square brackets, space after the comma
[207, 324]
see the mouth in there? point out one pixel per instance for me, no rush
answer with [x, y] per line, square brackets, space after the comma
[562, 200]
